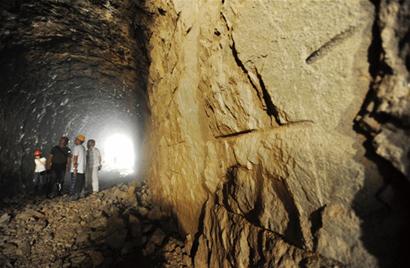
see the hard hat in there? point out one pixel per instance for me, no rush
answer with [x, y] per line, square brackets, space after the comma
[37, 152]
[80, 137]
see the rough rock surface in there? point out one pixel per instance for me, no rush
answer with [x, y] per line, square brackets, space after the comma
[116, 227]
[386, 116]
[258, 110]
[253, 108]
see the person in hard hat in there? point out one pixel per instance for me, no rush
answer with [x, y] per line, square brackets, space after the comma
[58, 164]
[93, 165]
[39, 171]
[78, 165]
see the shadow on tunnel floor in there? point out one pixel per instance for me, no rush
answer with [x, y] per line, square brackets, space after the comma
[117, 227]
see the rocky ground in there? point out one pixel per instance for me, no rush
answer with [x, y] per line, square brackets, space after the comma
[115, 227]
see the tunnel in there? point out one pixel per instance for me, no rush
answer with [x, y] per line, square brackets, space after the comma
[233, 133]
[67, 70]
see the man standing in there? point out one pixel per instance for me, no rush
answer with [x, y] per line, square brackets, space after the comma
[93, 165]
[58, 163]
[78, 167]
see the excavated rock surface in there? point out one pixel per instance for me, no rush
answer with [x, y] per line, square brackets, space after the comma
[118, 227]
[67, 67]
[253, 143]
[386, 115]
[257, 115]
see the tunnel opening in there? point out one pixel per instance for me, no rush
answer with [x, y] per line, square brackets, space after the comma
[69, 69]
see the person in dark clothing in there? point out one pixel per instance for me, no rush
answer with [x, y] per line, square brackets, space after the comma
[58, 163]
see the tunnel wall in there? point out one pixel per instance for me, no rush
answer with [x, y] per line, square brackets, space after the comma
[67, 67]
[256, 146]
[274, 124]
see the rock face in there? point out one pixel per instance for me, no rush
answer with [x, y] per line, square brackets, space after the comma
[276, 128]
[67, 67]
[386, 116]
[253, 142]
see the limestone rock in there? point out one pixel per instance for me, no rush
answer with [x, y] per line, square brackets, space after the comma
[391, 105]
[339, 237]
[96, 257]
[157, 237]
[393, 144]
[4, 219]
[253, 105]
[238, 243]
[255, 114]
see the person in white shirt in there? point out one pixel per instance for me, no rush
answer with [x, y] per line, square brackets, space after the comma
[39, 171]
[93, 165]
[78, 165]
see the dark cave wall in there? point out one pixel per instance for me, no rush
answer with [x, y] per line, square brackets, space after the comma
[385, 116]
[66, 67]
[385, 120]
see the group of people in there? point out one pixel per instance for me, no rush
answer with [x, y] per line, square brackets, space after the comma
[82, 163]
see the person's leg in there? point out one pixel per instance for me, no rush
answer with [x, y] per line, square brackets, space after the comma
[81, 184]
[50, 188]
[73, 186]
[63, 175]
[60, 174]
[36, 183]
[42, 181]
[94, 177]
[88, 178]
[43, 187]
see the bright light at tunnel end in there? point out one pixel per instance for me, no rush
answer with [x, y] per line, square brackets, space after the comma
[119, 154]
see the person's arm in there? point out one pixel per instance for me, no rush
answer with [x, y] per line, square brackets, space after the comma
[69, 156]
[75, 163]
[49, 161]
[75, 160]
[68, 163]
[99, 160]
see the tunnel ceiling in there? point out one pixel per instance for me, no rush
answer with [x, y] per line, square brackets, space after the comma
[67, 67]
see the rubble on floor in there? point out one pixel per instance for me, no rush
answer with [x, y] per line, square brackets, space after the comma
[118, 226]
